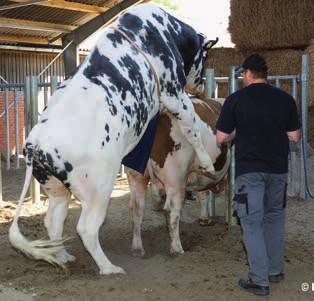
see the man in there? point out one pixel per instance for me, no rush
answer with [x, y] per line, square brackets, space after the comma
[262, 119]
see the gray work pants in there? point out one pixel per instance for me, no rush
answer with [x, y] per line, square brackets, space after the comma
[260, 201]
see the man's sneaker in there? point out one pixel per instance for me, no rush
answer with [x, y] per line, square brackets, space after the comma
[276, 278]
[249, 286]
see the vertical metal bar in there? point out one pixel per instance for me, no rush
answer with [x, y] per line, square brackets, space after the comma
[7, 128]
[304, 113]
[293, 155]
[53, 84]
[294, 89]
[216, 90]
[209, 83]
[16, 119]
[211, 204]
[27, 105]
[45, 96]
[35, 187]
[277, 83]
[233, 82]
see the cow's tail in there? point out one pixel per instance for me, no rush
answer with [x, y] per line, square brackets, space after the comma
[38, 249]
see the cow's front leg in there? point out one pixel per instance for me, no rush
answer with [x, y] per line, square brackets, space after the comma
[174, 221]
[182, 108]
[204, 219]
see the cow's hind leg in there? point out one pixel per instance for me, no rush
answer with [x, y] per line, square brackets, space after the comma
[95, 197]
[182, 108]
[176, 201]
[59, 198]
[138, 185]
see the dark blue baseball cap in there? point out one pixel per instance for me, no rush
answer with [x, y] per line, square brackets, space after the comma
[255, 62]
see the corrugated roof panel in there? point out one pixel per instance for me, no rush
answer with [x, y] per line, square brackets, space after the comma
[91, 2]
[26, 33]
[44, 14]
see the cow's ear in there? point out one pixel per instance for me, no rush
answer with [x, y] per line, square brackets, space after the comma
[211, 43]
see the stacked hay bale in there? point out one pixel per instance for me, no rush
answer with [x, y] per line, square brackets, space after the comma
[271, 24]
[280, 62]
[278, 30]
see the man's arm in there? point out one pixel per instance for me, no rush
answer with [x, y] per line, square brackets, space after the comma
[222, 137]
[292, 136]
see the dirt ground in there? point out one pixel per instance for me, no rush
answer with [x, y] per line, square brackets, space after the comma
[209, 270]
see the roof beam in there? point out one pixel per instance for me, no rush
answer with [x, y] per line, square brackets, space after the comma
[34, 25]
[23, 39]
[84, 31]
[62, 4]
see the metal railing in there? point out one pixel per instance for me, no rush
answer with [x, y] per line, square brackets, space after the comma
[35, 97]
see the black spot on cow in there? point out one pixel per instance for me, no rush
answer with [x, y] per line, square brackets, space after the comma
[107, 138]
[49, 160]
[102, 144]
[44, 120]
[158, 18]
[131, 21]
[68, 166]
[84, 88]
[176, 115]
[113, 88]
[56, 151]
[67, 184]
[45, 166]
[41, 174]
[128, 110]
[185, 107]
[115, 38]
[171, 89]
[60, 86]
[107, 128]
[100, 65]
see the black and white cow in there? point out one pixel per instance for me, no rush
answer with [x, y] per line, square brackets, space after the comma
[100, 114]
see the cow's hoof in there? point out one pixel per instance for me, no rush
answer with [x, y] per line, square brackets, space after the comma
[112, 269]
[176, 251]
[205, 222]
[138, 252]
[64, 257]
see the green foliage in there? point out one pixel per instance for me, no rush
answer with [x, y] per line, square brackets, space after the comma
[171, 4]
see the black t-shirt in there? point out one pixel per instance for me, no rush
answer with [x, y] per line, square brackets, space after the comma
[261, 115]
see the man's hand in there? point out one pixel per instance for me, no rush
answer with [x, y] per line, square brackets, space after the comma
[222, 137]
[292, 136]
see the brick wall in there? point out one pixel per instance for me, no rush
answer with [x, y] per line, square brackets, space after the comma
[11, 122]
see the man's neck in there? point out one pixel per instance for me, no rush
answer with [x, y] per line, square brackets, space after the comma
[258, 81]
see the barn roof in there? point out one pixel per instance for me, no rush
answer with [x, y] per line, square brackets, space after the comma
[46, 22]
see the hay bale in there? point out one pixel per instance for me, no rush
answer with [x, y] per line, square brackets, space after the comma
[280, 62]
[310, 51]
[271, 24]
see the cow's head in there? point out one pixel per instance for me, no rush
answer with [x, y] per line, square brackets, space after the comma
[194, 82]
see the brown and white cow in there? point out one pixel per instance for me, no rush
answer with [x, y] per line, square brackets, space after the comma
[174, 167]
